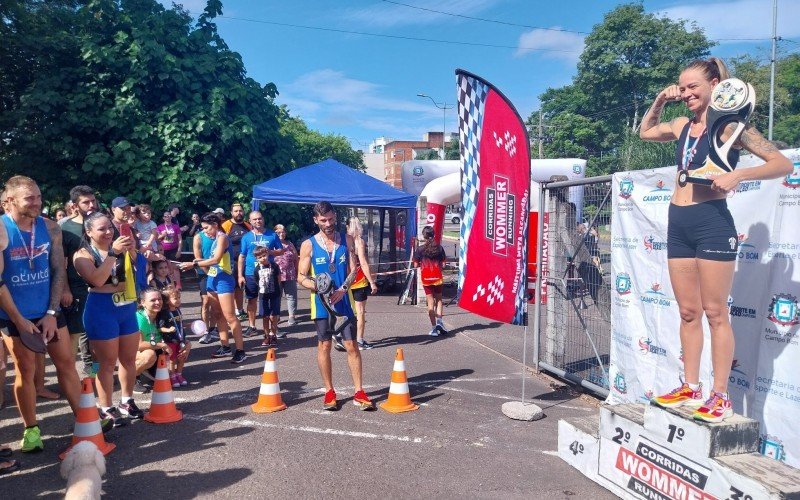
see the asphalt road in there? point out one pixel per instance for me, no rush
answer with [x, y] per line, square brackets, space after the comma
[458, 444]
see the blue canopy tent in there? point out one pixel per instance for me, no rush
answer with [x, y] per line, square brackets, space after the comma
[335, 182]
[340, 185]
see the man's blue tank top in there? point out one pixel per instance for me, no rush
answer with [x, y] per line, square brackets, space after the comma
[320, 261]
[28, 279]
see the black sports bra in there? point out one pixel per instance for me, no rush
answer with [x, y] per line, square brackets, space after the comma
[119, 268]
[699, 145]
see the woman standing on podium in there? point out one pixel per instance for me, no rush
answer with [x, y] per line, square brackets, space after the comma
[702, 242]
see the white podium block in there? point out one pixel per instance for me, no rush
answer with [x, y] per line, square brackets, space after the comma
[689, 437]
[753, 475]
[579, 446]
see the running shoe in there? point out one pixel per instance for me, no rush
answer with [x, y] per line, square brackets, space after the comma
[140, 387]
[31, 440]
[174, 381]
[716, 408]
[363, 345]
[363, 402]
[222, 352]
[106, 424]
[291, 321]
[114, 415]
[281, 335]
[211, 336]
[266, 342]
[131, 410]
[434, 331]
[90, 370]
[337, 343]
[682, 396]
[182, 380]
[249, 332]
[330, 402]
[238, 357]
[440, 328]
[242, 315]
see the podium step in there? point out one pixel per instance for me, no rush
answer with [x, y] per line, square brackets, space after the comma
[780, 480]
[675, 426]
[579, 446]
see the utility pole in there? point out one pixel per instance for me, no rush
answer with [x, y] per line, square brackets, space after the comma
[541, 153]
[772, 66]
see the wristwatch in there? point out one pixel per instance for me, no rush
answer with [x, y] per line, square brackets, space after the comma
[51, 312]
[111, 253]
[344, 288]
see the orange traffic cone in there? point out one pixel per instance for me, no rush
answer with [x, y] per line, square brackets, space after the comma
[87, 422]
[162, 405]
[399, 397]
[269, 397]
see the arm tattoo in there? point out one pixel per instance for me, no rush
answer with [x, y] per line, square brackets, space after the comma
[653, 115]
[58, 271]
[756, 143]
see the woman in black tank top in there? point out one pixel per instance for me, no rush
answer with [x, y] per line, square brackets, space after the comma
[702, 239]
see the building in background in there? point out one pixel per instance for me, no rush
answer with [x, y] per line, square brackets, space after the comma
[396, 152]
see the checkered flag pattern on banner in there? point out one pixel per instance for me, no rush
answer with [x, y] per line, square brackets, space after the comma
[471, 101]
[493, 291]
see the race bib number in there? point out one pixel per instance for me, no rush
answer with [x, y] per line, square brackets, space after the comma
[212, 271]
[119, 299]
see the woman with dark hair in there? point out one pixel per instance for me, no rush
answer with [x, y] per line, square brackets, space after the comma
[110, 312]
[430, 258]
[220, 285]
[701, 236]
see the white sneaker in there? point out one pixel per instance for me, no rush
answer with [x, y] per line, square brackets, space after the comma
[434, 331]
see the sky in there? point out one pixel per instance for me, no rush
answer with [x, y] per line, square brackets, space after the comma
[355, 67]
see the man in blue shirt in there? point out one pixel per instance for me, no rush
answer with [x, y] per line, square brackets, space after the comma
[259, 236]
[33, 279]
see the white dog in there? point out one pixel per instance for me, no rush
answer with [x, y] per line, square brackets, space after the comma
[83, 468]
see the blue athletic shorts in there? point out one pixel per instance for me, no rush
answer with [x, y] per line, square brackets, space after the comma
[221, 284]
[107, 316]
[250, 287]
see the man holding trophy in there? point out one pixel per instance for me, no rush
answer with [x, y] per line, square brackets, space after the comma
[702, 239]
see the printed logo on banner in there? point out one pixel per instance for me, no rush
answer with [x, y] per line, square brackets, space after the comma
[772, 447]
[792, 181]
[656, 297]
[626, 243]
[743, 187]
[417, 171]
[652, 245]
[507, 142]
[647, 396]
[660, 194]
[493, 291]
[623, 283]
[576, 168]
[646, 346]
[784, 311]
[619, 384]
[747, 251]
[625, 188]
[656, 472]
[741, 311]
[500, 216]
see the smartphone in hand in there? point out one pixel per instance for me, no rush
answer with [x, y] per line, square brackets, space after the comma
[125, 230]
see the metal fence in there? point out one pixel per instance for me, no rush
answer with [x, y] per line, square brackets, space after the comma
[573, 331]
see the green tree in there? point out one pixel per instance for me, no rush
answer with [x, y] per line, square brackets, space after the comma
[134, 98]
[627, 59]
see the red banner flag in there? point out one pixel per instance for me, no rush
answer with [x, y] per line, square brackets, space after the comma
[495, 186]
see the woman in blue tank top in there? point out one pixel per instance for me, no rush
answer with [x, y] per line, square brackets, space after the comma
[220, 285]
[702, 240]
[110, 313]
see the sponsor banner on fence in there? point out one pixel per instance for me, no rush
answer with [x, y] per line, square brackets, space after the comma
[496, 179]
[764, 303]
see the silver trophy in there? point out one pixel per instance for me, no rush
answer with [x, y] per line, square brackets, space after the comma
[732, 101]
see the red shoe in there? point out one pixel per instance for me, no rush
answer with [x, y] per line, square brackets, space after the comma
[330, 403]
[682, 396]
[361, 400]
[716, 408]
